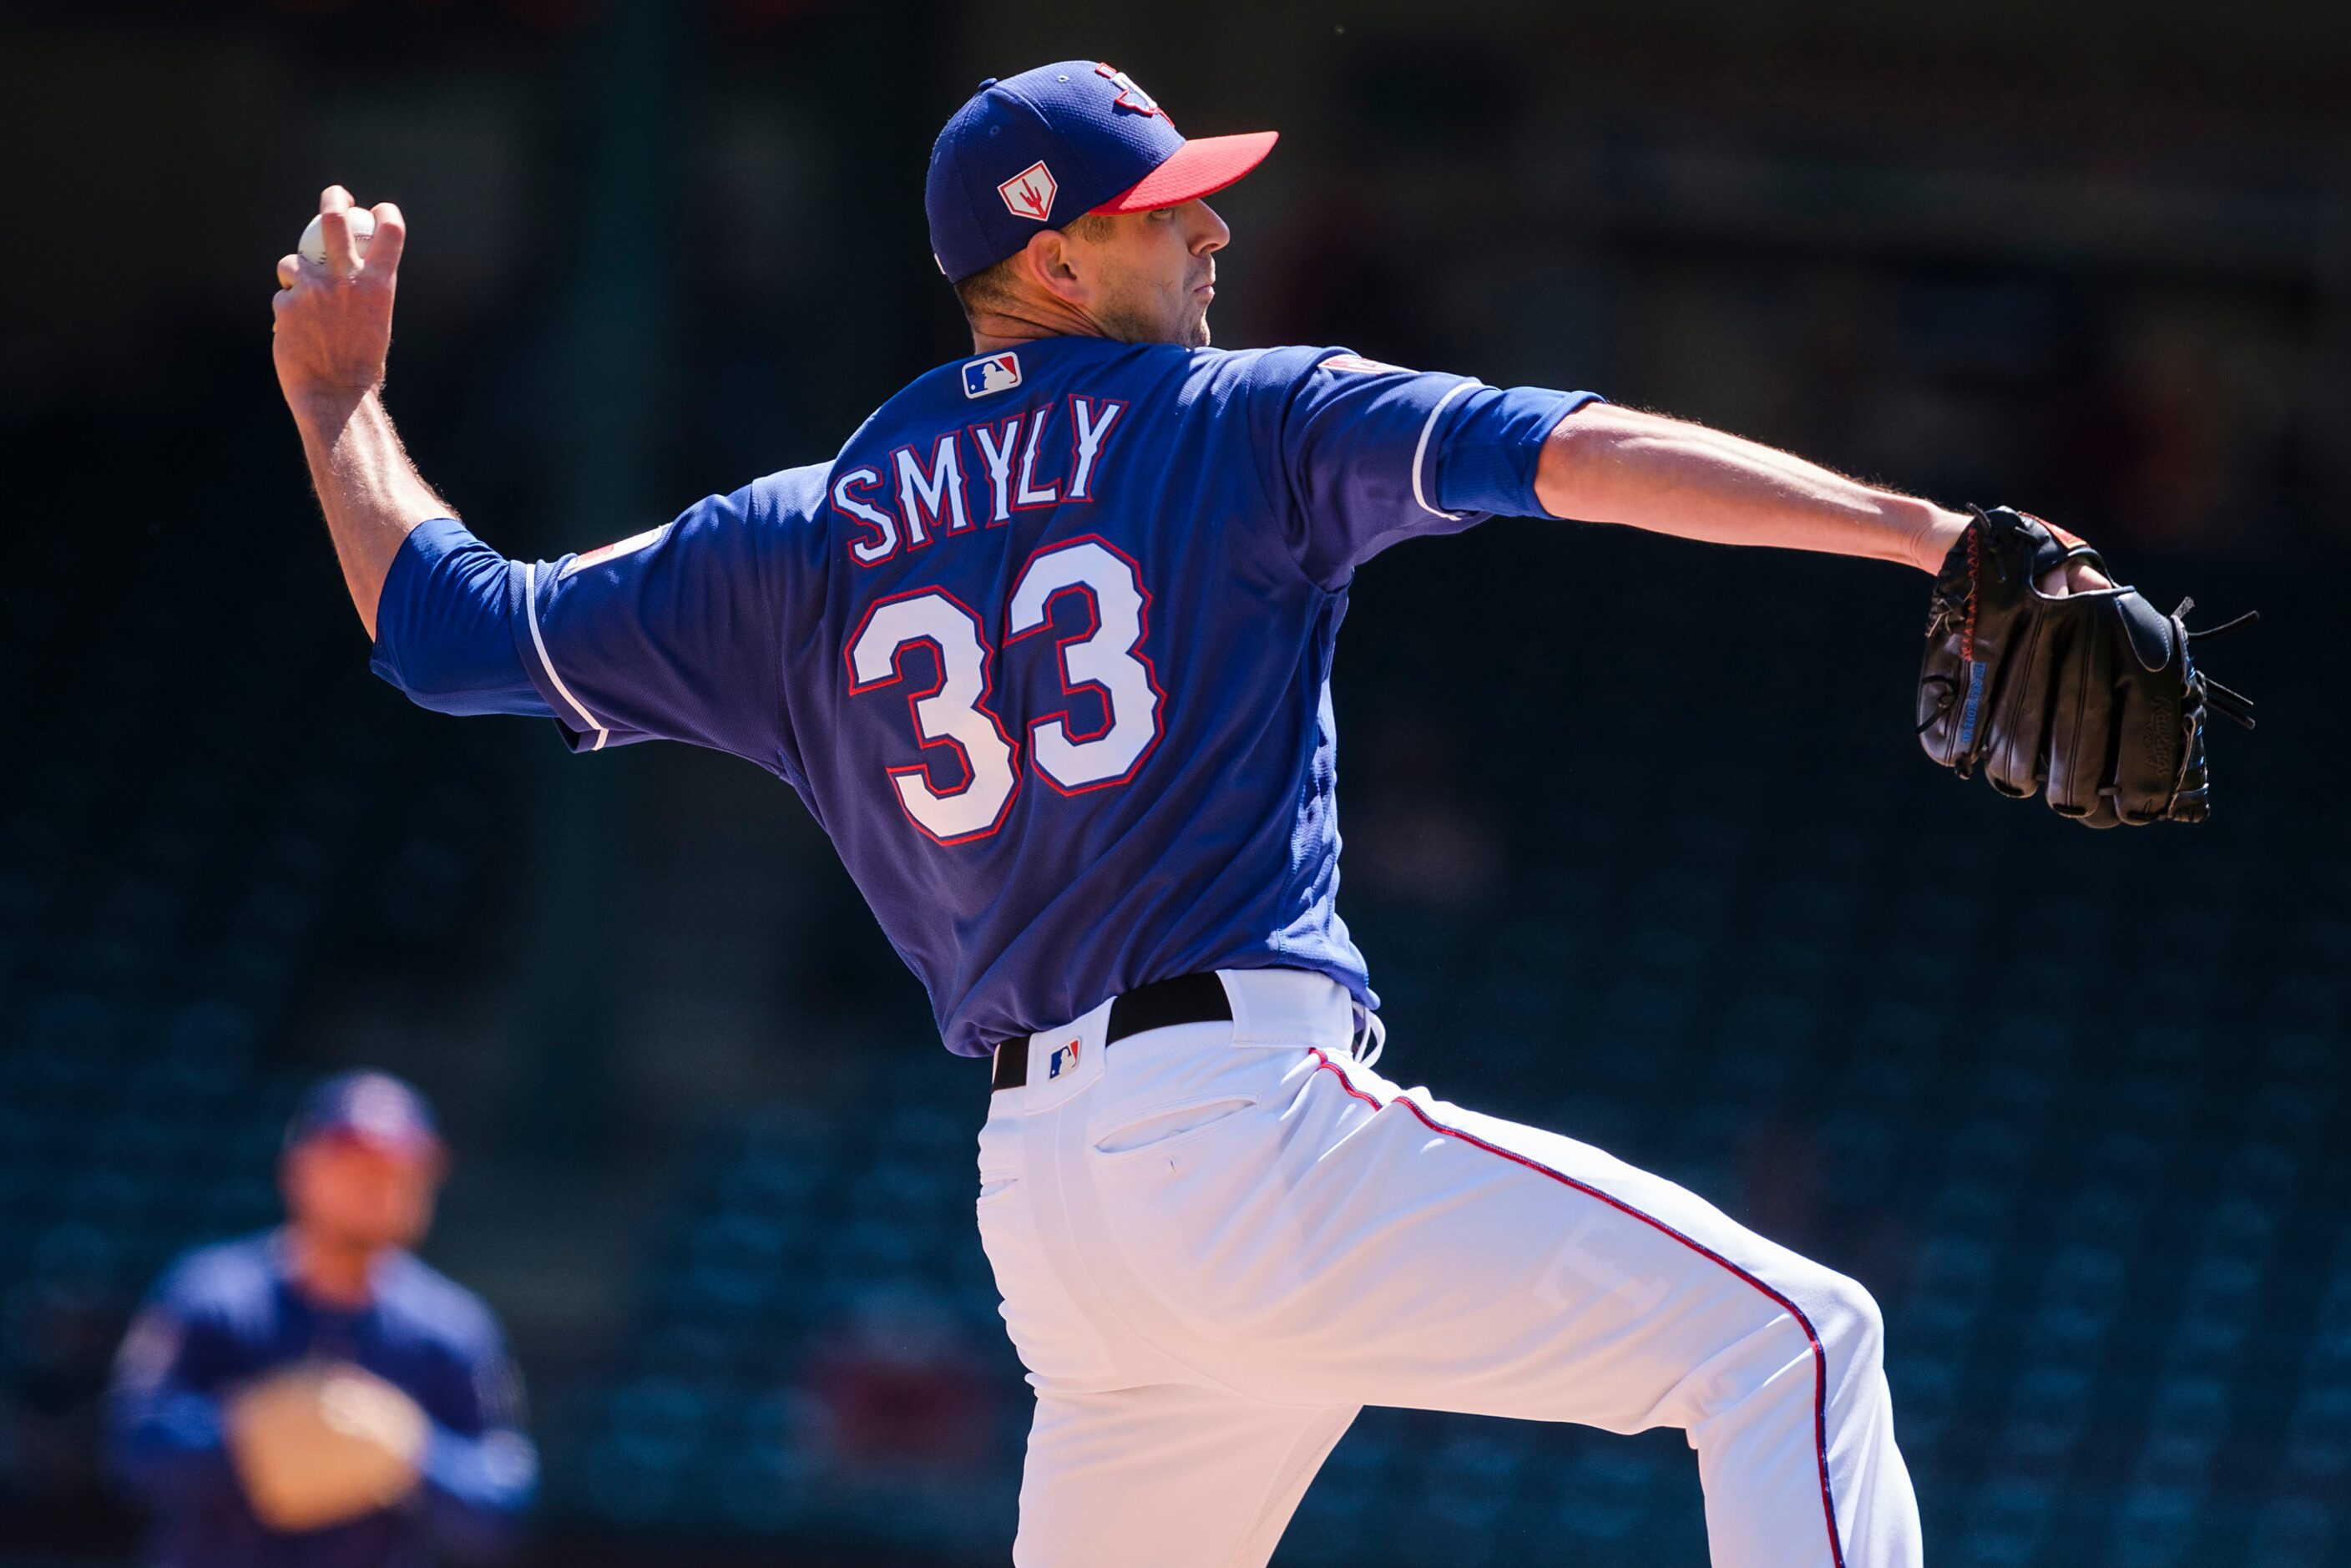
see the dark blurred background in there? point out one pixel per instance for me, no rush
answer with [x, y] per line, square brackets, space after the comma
[1639, 843]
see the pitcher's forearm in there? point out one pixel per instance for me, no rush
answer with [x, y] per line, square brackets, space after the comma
[1610, 464]
[368, 489]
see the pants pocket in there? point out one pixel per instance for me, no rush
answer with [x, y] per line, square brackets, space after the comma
[1158, 1129]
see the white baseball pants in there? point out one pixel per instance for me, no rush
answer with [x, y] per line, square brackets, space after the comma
[1217, 1242]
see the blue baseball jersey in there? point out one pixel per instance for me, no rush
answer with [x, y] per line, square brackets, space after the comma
[1046, 648]
[225, 1315]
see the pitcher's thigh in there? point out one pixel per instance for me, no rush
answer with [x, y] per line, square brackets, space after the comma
[1166, 1475]
[1437, 1258]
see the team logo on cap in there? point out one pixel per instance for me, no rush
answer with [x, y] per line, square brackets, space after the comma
[1129, 95]
[996, 373]
[1029, 193]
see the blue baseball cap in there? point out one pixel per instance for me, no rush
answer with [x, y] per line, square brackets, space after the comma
[1042, 149]
[372, 1107]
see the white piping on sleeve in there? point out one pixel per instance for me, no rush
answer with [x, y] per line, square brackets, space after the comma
[530, 602]
[1420, 453]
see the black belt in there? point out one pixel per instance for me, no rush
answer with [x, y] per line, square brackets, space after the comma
[1163, 1004]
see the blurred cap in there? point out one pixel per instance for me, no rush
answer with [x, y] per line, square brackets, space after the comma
[1042, 149]
[370, 1107]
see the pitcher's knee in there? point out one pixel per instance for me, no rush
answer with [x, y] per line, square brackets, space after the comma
[1849, 1324]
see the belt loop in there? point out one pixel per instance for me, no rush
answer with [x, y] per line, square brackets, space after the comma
[1063, 1061]
[1371, 1037]
[1290, 1006]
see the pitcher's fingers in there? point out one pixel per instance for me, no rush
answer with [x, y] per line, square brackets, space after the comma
[390, 239]
[289, 268]
[335, 236]
[334, 199]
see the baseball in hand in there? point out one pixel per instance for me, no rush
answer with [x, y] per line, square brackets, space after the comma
[313, 247]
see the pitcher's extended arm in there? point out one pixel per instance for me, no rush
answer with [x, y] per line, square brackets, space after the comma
[333, 332]
[1610, 464]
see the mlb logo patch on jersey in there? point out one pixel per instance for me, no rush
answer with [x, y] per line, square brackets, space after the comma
[1064, 1056]
[1031, 192]
[1357, 362]
[996, 373]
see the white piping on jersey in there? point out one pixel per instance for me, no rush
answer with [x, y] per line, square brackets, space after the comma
[1420, 453]
[530, 602]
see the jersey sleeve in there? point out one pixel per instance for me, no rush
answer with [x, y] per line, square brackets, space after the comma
[479, 1469]
[165, 1434]
[441, 626]
[676, 633]
[1370, 453]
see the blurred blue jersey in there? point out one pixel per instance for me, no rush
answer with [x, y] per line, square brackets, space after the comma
[225, 1315]
[1046, 649]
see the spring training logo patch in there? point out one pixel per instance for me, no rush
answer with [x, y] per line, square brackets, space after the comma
[996, 373]
[1031, 192]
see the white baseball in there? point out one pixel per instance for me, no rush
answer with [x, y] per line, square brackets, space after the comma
[313, 247]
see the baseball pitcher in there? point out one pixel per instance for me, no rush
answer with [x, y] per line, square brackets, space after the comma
[1046, 648]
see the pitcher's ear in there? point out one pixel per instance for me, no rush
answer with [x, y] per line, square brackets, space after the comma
[1049, 261]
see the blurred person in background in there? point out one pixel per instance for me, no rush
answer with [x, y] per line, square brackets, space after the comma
[316, 1393]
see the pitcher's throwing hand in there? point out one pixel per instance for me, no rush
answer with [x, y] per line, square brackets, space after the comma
[334, 316]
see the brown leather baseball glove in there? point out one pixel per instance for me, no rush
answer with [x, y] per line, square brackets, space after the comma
[2092, 696]
[323, 1442]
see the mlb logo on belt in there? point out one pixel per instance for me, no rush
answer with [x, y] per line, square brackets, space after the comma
[1031, 192]
[1064, 1056]
[996, 373]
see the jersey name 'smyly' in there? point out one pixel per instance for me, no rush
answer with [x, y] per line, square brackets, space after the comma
[935, 490]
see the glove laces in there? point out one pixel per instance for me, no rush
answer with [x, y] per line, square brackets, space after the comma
[2234, 707]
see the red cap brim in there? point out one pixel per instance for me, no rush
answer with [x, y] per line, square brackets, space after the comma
[1202, 165]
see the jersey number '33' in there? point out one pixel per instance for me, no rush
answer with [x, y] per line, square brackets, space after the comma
[953, 711]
